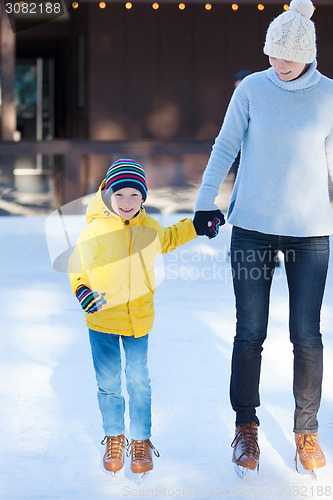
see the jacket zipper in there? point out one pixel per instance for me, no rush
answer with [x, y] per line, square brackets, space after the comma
[128, 238]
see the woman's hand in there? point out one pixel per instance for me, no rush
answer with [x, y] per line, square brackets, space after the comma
[208, 222]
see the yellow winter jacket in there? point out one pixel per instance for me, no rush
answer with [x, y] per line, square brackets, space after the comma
[116, 256]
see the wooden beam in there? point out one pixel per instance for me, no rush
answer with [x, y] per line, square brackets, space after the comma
[64, 147]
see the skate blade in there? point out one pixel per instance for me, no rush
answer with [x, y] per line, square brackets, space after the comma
[111, 473]
[114, 474]
[140, 476]
[241, 471]
[311, 473]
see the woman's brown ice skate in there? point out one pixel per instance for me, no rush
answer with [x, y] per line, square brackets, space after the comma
[309, 451]
[246, 450]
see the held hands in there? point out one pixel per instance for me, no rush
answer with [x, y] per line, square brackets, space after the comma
[90, 301]
[207, 223]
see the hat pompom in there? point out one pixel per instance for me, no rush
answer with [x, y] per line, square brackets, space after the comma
[303, 7]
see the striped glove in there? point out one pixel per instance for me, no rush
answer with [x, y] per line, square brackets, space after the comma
[90, 301]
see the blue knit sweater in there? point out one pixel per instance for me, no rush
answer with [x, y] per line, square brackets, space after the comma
[285, 132]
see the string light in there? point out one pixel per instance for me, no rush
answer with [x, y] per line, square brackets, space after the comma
[156, 5]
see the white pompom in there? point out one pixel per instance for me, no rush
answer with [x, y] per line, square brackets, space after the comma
[304, 7]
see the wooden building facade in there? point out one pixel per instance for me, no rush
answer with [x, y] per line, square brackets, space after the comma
[142, 74]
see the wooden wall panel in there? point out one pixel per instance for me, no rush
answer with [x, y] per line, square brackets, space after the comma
[169, 73]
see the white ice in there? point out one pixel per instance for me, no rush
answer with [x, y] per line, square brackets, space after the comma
[50, 426]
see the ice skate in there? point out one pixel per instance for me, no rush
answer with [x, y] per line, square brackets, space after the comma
[246, 450]
[310, 453]
[114, 455]
[141, 457]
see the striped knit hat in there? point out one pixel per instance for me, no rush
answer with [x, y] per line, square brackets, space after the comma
[123, 174]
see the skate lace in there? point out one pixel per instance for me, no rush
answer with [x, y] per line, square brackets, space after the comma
[307, 445]
[115, 445]
[247, 434]
[139, 449]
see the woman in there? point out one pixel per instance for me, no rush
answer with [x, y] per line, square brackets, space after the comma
[282, 118]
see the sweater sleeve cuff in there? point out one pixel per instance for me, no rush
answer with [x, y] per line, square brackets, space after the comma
[205, 200]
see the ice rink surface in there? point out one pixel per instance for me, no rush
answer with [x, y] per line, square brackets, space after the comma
[49, 419]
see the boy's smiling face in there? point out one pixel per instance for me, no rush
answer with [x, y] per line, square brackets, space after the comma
[126, 202]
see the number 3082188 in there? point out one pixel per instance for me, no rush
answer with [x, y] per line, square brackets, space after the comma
[33, 8]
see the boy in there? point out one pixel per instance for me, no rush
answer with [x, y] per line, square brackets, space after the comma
[115, 287]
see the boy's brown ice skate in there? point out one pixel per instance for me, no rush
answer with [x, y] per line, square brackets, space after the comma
[113, 459]
[310, 453]
[141, 456]
[246, 450]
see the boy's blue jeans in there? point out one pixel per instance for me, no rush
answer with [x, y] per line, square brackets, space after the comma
[106, 356]
[253, 263]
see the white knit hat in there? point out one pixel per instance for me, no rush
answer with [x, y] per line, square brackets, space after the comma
[291, 36]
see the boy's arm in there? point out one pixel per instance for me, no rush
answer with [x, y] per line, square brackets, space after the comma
[82, 260]
[176, 235]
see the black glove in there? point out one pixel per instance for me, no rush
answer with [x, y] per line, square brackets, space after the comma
[90, 301]
[207, 222]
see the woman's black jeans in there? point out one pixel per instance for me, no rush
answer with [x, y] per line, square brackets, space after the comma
[253, 262]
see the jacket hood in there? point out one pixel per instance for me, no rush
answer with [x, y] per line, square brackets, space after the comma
[97, 209]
